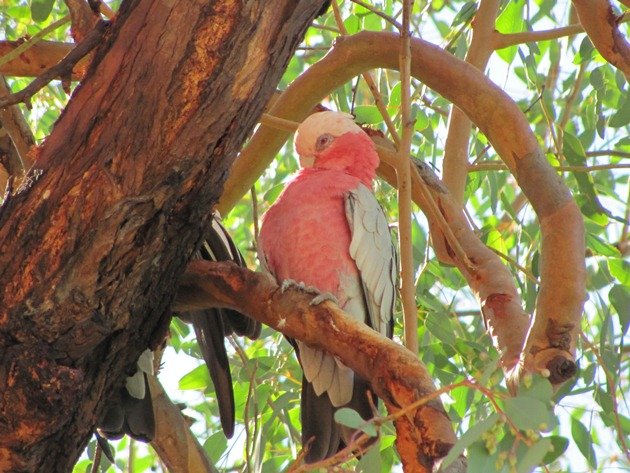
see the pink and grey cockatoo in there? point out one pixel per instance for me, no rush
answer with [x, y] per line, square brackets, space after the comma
[328, 231]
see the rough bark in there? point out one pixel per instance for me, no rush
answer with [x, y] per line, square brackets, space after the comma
[91, 246]
[424, 434]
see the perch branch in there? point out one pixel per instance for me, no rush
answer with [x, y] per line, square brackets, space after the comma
[396, 375]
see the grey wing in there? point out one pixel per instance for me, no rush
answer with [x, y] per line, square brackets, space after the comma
[372, 249]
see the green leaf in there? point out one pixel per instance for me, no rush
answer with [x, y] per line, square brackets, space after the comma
[40, 9]
[394, 96]
[215, 446]
[480, 460]
[574, 152]
[196, 379]
[622, 116]
[472, 435]
[619, 297]
[466, 13]
[510, 21]
[351, 418]
[582, 438]
[533, 456]
[367, 114]
[620, 269]
[538, 388]
[527, 412]
[439, 324]
[370, 462]
[558, 447]
[601, 247]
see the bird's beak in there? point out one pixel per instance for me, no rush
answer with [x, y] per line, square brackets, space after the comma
[307, 161]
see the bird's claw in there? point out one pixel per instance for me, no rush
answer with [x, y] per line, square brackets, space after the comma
[323, 297]
[319, 296]
[289, 283]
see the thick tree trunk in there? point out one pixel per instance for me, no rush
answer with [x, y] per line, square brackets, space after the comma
[92, 246]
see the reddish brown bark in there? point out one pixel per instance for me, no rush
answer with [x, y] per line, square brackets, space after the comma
[92, 245]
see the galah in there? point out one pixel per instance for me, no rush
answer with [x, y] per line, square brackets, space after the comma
[327, 230]
[132, 411]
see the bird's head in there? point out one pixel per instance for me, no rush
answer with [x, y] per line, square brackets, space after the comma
[332, 140]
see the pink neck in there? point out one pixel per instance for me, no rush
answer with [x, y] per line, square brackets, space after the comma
[353, 153]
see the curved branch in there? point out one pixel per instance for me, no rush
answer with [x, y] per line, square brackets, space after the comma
[550, 345]
[600, 23]
[396, 375]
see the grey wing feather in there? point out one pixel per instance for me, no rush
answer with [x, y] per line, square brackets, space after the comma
[372, 249]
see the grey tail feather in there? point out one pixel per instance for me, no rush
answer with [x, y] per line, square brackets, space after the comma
[317, 415]
[130, 416]
[360, 402]
[320, 433]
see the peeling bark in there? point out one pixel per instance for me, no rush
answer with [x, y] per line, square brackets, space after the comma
[93, 241]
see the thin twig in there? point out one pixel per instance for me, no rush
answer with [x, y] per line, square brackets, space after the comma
[96, 462]
[13, 122]
[499, 166]
[505, 40]
[612, 389]
[403, 174]
[325, 27]
[369, 80]
[378, 12]
[278, 123]
[577, 85]
[62, 69]
[514, 263]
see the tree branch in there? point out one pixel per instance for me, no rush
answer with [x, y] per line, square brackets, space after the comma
[600, 23]
[174, 443]
[13, 122]
[37, 58]
[61, 69]
[396, 374]
[455, 163]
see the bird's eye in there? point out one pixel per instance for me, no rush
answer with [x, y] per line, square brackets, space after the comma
[323, 142]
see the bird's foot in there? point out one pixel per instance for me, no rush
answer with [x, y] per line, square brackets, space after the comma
[319, 296]
[291, 283]
[323, 297]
